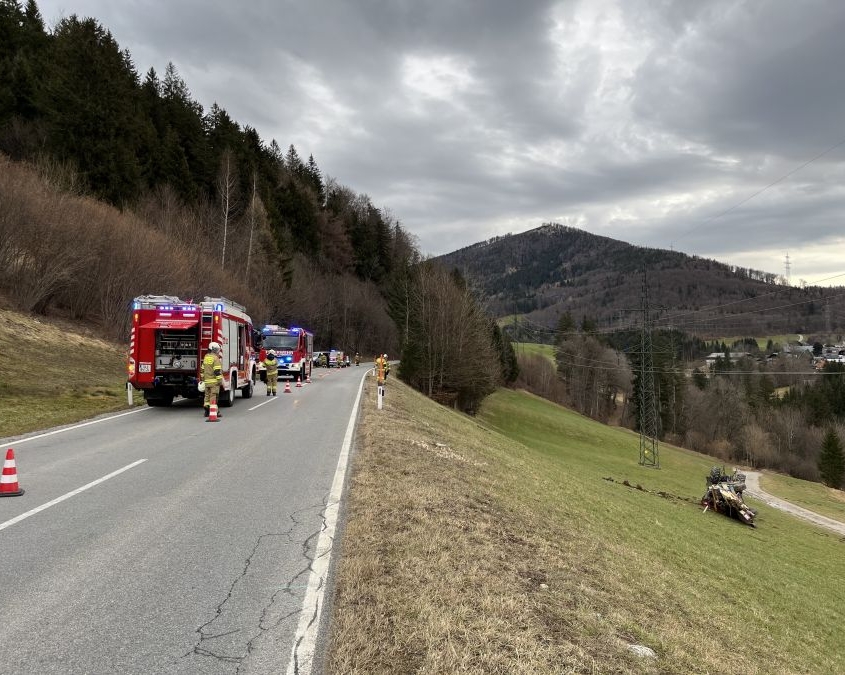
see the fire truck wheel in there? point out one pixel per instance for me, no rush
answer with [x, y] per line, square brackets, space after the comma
[227, 398]
[246, 392]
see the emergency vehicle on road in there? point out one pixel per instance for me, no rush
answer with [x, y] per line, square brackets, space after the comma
[294, 349]
[170, 337]
[337, 359]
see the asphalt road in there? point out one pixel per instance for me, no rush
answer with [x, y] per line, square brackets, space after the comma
[192, 554]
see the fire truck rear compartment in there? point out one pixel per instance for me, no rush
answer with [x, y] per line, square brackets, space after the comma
[176, 353]
[175, 365]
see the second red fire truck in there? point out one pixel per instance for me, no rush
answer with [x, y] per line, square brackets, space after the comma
[294, 349]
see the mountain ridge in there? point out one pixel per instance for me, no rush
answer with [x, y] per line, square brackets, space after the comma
[542, 273]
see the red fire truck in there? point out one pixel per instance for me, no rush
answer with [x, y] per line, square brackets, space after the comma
[294, 349]
[170, 337]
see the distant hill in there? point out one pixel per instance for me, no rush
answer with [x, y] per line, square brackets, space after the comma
[542, 273]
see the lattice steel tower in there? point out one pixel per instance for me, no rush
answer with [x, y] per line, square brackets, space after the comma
[649, 422]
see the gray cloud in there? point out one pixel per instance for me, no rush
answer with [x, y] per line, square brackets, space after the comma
[634, 119]
[754, 77]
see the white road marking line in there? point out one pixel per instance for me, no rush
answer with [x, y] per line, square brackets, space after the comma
[37, 509]
[255, 407]
[305, 640]
[76, 426]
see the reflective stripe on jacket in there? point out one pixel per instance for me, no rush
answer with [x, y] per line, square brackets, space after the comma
[212, 369]
[272, 366]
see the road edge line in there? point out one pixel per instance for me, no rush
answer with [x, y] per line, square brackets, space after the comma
[305, 638]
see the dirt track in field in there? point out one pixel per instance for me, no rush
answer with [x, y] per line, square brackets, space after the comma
[752, 488]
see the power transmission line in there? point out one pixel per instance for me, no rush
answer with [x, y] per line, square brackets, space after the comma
[762, 190]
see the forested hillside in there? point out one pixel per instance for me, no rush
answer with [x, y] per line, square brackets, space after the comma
[546, 272]
[114, 184]
[296, 246]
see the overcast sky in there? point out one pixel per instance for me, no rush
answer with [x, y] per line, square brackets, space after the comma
[648, 121]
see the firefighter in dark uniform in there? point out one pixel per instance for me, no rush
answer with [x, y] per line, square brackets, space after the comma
[271, 363]
[212, 375]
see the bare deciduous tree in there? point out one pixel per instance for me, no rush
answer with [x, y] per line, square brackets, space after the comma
[227, 194]
[449, 353]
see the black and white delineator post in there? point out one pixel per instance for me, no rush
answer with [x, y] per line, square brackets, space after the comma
[380, 374]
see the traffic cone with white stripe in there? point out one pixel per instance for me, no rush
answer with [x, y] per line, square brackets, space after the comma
[212, 413]
[287, 387]
[298, 382]
[308, 378]
[9, 479]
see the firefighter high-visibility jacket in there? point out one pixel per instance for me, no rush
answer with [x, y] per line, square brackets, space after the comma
[212, 369]
[272, 366]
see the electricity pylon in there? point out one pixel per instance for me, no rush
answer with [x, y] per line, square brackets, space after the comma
[649, 450]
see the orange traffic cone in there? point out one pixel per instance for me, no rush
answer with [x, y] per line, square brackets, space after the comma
[212, 413]
[287, 387]
[9, 479]
[298, 382]
[308, 378]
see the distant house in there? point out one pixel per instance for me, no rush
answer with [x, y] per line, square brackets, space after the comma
[733, 356]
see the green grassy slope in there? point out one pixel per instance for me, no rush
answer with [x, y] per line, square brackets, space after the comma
[535, 348]
[680, 579]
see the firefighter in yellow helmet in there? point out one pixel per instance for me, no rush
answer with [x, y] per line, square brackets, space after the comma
[212, 375]
[380, 367]
[271, 364]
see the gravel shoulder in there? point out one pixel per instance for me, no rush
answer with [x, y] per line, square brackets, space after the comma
[752, 488]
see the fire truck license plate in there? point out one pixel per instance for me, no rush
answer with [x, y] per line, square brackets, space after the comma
[145, 368]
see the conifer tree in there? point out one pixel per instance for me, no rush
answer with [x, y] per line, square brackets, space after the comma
[831, 460]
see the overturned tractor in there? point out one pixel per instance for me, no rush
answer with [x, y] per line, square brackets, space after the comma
[724, 495]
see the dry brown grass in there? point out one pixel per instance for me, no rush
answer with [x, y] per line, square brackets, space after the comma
[55, 372]
[444, 570]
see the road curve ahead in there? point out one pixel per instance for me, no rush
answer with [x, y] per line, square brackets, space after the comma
[157, 542]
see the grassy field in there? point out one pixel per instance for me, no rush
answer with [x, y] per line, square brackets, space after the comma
[782, 340]
[510, 543]
[52, 374]
[535, 348]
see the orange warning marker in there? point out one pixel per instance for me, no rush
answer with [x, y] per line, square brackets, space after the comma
[212, 413]
[298, 382]
[9, 479]
[287, 387]
[308, 378]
